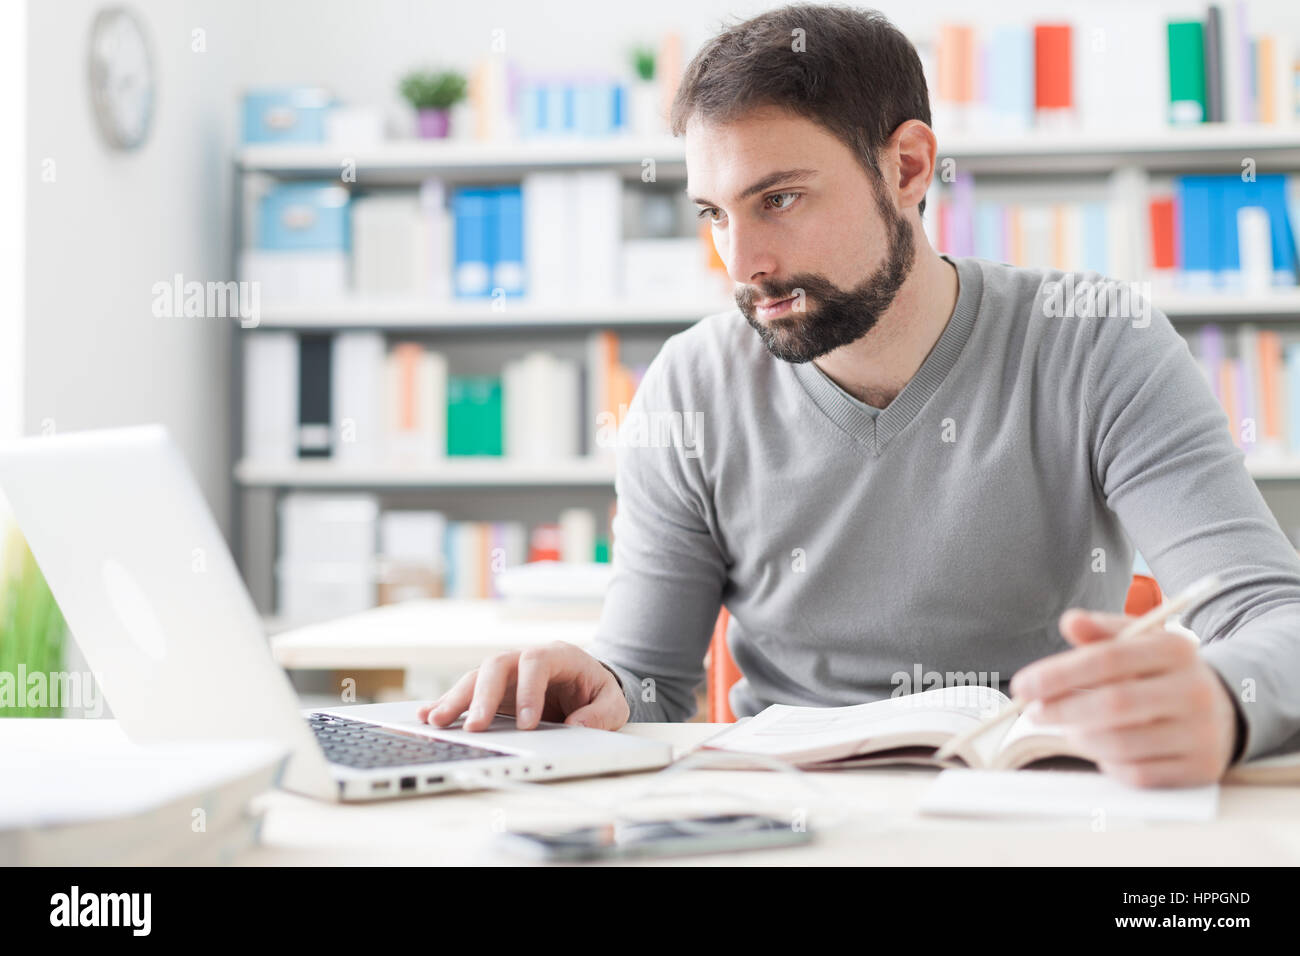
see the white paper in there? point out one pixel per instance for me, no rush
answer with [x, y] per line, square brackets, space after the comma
[1053, 793]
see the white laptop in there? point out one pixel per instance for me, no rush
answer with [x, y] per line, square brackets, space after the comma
[155, 602]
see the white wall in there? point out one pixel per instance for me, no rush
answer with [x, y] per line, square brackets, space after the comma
[111, 224]
[13, 185]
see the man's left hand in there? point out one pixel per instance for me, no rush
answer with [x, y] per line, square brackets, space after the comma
[1150, 711]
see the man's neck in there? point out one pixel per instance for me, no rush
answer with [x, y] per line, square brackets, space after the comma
[875, 368]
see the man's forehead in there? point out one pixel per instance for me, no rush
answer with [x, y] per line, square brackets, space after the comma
[736, 156]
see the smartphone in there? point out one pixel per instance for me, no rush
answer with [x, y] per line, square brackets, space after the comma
[681, 837]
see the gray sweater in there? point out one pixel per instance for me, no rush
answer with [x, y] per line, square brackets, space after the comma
[1009, 480]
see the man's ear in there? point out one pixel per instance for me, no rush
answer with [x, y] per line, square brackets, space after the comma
[908, 160]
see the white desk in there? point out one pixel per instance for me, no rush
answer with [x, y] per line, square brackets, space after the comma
[443, 635]
[1256, 825]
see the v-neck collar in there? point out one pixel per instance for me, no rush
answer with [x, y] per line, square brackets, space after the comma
[875, 432]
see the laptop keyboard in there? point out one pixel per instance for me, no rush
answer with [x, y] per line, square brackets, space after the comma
[354, 743]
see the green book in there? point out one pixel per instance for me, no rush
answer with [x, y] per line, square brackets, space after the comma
[1186, 72]
[474, 415]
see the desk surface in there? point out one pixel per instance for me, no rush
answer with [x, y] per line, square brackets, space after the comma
[875, 810]
[441, 634]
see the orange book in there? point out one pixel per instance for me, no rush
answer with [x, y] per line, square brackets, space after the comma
[408, 366]
[483, 537]
[1228, 392]
[1265, 54]
[1161, 215]
[1058, 238]
[1015, 237]
[1270, 385]
[1052, 70]
[956, 66]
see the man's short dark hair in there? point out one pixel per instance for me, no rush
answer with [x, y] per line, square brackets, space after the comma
[849, 70]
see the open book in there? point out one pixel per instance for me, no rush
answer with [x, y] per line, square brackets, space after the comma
[898, 730]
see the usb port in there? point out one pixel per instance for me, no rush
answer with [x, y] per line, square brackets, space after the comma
[431, 780]
[381, 785]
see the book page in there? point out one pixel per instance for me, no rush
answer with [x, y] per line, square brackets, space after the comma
[1027, 740]
[782, 730]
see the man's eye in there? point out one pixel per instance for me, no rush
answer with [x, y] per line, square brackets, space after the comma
[792, 197]
[707, 213]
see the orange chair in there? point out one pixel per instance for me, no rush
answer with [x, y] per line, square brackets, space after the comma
[1143, 595]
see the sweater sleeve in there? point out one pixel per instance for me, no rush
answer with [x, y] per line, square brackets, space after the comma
[1165, 461]
[668, 567]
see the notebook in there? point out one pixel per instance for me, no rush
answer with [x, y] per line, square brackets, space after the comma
[1086, 796]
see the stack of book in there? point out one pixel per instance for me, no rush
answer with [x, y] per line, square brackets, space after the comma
[401, 243]
[555, 237]
[342, 553]
[1259, 386]
[351, 398]
[1194, 234]
[1227, 233]
[1010, 78]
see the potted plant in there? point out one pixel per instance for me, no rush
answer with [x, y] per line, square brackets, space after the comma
[32, 629]
[433, 94]
[647, 118]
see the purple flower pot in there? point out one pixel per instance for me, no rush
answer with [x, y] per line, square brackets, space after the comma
[433, 124]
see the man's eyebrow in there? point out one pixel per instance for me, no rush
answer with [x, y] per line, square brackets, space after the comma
[767, 182]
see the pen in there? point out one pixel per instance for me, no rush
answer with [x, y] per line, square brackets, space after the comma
[1195, 593]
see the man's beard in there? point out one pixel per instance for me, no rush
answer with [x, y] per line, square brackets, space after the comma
[838, 317]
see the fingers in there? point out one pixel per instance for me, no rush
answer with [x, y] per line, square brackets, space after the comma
[494, 677]
[453, 703]
[1129, 702]
[535, 668]
[1103, 662]
[607, 712]
[560, 676]
[1157, 740]
[1084, 627]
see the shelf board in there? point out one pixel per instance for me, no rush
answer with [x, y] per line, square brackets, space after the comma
[1042, 150]
[1274, 468]
[502, 473]
[1273, 304]
[468, 316]
[456, 472]
[417, 314]
[1202, 146]
[464, 157]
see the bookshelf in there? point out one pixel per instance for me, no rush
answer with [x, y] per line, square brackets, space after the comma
[1041, 156]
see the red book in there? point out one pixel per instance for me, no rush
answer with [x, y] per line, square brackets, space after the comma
[1161, 212]
[1052, 87]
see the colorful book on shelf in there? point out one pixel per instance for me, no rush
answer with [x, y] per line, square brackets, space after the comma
[314, 356]
[1186, 72]
[474, 411]
[1165, 72]
[1053, 76]
[415, 389]
[489, 241]
[1258, 386]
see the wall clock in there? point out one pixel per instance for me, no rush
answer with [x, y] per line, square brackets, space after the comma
[121, 77]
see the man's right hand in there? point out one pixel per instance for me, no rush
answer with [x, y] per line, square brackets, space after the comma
[557, 682]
